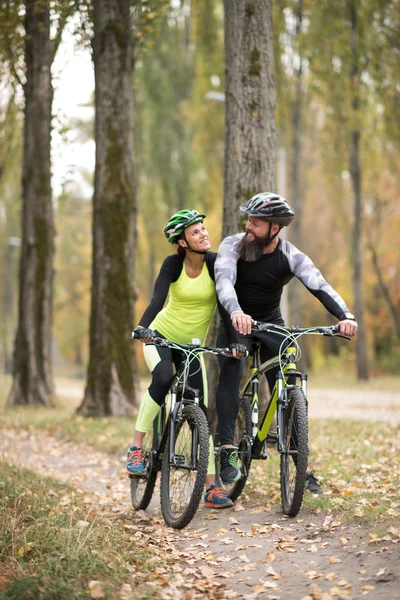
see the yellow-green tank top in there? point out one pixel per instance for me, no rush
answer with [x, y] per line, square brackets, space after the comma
[189, 310]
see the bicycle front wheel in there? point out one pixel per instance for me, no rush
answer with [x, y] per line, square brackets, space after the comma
[295, 457]
[183, 475]
[142, 488]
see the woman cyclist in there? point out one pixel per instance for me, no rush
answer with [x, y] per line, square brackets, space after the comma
[188, 277]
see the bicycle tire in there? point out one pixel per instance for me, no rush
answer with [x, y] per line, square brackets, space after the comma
[242, 441]
[293, 471]
[182, 488]
[142, 488]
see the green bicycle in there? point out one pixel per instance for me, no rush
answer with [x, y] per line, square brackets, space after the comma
[289, 402]
[177, 444]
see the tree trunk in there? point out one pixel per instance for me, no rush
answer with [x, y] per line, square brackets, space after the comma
[295, 229]
[32, 383]
[296, 288]
[250, 153]
[385, 292]
[355, 171]
[110, 388]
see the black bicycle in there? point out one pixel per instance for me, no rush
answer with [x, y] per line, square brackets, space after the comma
[289, 403]
[177, 444]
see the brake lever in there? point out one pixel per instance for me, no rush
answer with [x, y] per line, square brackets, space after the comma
[345, 337]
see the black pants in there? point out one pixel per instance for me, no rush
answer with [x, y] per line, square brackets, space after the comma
[231, 370]
[164, 372]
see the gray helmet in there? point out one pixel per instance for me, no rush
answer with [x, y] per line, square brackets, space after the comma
[270, 207]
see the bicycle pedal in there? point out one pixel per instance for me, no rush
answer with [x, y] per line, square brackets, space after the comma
[179, 460]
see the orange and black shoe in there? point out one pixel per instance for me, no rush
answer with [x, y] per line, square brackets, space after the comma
[216, 497]
[135, 462]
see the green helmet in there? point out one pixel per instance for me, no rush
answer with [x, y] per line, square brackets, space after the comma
[179, 222]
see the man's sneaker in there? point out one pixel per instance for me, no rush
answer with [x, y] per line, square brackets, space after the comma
[135, 462]
[216, 498]
[312, 483]
[229, 470]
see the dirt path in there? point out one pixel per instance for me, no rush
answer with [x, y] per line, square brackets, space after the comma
[252, 549]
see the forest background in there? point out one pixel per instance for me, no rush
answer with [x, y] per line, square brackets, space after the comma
[179, 116]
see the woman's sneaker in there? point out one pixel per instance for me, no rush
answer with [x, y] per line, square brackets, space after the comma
[216, 498]
[135, 462]
[312, 483]
[229, 469]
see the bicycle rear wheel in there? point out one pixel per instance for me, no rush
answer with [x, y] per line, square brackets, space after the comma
[242, 441]
[294, 461]
[182, 482]
[142, 488]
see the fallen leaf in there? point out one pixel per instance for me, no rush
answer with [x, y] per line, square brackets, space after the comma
[367, 588]
[270, 557]
[313, 575]
[207, 571]
[334, 559]
[96, 589]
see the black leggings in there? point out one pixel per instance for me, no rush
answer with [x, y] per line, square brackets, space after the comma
[231, 371]
[163, 374]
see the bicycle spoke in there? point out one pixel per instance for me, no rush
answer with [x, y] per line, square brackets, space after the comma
[182, 480]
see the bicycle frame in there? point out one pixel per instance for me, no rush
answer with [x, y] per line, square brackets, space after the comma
[179, 392]
[167, 423]
[278, 398]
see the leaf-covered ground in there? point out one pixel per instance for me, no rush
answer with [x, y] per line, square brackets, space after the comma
[343, 544]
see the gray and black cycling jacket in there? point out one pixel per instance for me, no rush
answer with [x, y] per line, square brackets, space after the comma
[256, 287]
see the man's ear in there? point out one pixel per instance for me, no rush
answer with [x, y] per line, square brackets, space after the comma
[275, 228]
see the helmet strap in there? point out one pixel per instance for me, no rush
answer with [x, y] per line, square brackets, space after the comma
[191, 249]
[272, 237]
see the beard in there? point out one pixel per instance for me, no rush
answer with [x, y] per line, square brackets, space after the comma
[252, 250]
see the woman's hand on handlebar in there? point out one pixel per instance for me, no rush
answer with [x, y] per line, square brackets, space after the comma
[238, 350]
[143, 334]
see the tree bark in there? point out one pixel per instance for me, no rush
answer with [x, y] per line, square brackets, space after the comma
[355, 171]
[385, 292]
[32, 382]
[250, 153]
[250, 129]
[295, 230]
[296, 289]
[110, 388]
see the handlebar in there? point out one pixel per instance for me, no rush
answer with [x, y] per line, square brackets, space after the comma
[196, 348]
[327, 330]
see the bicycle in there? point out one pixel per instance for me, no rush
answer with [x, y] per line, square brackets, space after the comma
[177, 444]
[289, 402]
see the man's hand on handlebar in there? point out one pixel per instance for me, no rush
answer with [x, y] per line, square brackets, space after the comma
[144, 335]
[242, 322]
[348, 327]
[238, 350]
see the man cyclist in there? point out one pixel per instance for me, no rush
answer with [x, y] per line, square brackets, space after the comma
[250, 272]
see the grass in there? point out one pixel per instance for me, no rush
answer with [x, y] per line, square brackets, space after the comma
[108, 434]
[358, 464]
[52, 544]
